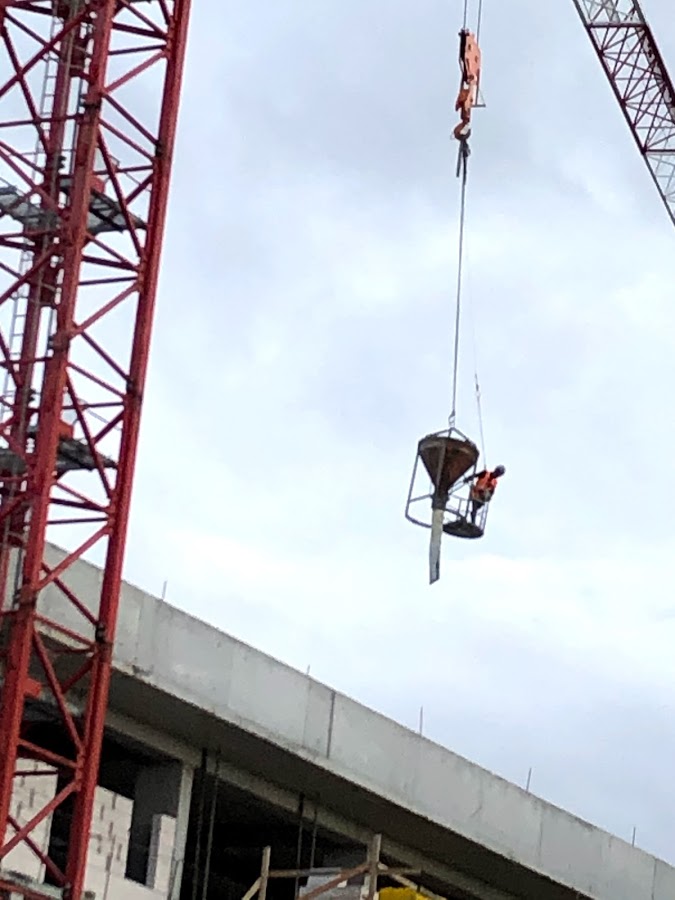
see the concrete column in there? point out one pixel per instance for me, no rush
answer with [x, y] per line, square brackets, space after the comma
[180, 840]
[157, 796]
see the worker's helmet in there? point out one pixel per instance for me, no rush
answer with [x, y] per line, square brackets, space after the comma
[499, 471]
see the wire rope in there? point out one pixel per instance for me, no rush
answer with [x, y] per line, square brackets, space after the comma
[462, 169]
[458, 297]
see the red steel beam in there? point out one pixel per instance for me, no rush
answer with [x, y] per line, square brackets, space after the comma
[641, 83]
[88, 114]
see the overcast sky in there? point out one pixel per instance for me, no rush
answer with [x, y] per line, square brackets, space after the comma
[303, 345]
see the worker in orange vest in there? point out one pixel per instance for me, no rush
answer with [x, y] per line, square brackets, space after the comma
[483, 488]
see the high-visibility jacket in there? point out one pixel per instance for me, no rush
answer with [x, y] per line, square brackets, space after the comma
[484, 486]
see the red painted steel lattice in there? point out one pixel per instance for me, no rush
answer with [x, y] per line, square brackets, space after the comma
[89, 94]
[627, 50]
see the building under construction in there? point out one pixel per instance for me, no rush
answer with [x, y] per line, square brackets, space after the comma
[214, 751]
[142, 753]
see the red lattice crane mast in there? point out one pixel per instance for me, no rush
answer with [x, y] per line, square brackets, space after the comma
[89, 93]
[641, 83]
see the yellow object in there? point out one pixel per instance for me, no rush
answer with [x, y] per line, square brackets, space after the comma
[399, 893]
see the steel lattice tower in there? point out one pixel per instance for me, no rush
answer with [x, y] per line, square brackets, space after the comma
[633, 64]
[89, 94]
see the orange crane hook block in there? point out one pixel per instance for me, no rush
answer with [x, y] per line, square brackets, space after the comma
[467, 98]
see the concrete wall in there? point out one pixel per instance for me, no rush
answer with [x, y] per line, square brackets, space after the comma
[175, 653]
[109, 847]
[31, 793]
[108, 843]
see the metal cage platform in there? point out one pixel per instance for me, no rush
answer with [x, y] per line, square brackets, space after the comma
[439, 497]
[444, 466]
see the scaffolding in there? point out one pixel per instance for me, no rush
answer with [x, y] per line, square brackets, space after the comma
[372, 868]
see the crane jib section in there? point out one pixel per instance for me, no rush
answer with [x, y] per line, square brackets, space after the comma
[630, 57]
